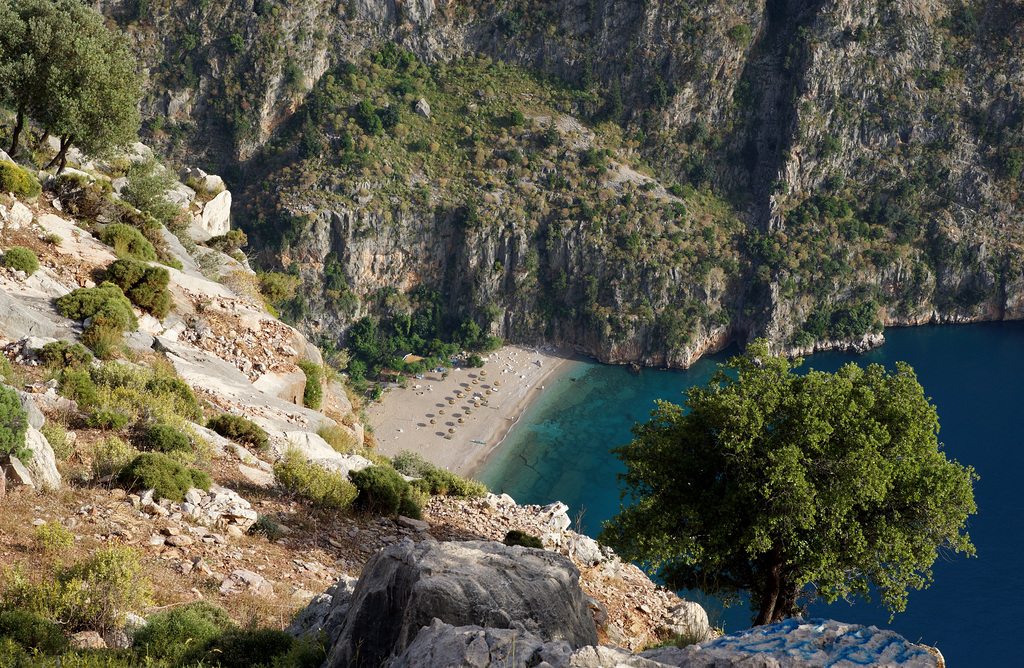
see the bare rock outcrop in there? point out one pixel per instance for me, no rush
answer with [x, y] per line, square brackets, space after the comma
[405, 587]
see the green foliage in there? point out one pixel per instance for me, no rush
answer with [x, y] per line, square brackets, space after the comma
[238, 429]
[57, 437]
[13, 424]
[107, 419]
[14, 179]
[52, 537]
[184, 400]
[740, 34]
[328, 489]
[771, 480]
[21, 259]
[840, 322]
[232, 241]
[381, 490]
[93, 594]
[267, 527]
[475, 361]
[411, 464]
[81, 86]
[78, 386]
[171, 635]
[147, 185]
[106, 301]
[437, 481]
[338, 438]
[244, 648]
[128, 241]
[313, 395]
[64, 355]
[517, 537]
[156, 470]
[165, 438]
[111, 455]
[146, 286]
[32, 631]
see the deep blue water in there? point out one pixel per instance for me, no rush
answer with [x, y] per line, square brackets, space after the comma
[974, 374]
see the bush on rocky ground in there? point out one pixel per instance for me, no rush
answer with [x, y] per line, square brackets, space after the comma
[21, 259]
[145, 285]
[328, 489]
[155, 470]
[517, 537]
[64, 355]
[239, 429]
[128, 241]
[14, 179]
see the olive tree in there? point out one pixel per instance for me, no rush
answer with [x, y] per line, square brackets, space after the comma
[61, 66]
[789, 486]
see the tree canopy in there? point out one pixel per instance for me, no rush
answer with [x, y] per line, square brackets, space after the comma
[61, 66]
[789, 486]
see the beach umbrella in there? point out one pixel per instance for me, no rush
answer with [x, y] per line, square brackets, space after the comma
[451, 430]
[475, 381]
[497, 383]
[451, 402]
[441, 411]
[469, 411]
[488, 391]
[433, 421]
[461, 395]
[483, 373]
[461, 420]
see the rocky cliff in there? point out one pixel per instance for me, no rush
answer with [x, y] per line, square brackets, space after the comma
[807, 170]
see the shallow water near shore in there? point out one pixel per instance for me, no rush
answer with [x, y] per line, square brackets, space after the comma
[559, 450]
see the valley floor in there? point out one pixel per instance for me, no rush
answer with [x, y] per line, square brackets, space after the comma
[467, 429]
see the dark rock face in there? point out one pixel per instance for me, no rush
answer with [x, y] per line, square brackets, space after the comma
[405, 587]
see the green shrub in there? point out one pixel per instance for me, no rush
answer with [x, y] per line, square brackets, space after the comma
[266, 526]
[232, 241]
[52, 537]
[14, 179]
[740, 34]
[57, 437]
[170, 635]
[23, 259]
[93, 594]
[338, 438]
[411, 464]
[443, 482]
[155, 470]
[32, 632]
[165, 438]
[475, 361]
[324, 488]
[244, 648]
[13, 425]
[517, 537]
[78, 386]
[313, 396]
[63, 355]
[105, 303]
[200, 479]
[185, 402]
[111, 455]
[127, 240]
[238, 429]
[107, 419]
[145, 191]
[146, 286]
[103, 339]
[381, 489]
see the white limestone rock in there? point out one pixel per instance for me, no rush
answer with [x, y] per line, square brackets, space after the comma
[423, 108]
[216, 218]
[43, 463]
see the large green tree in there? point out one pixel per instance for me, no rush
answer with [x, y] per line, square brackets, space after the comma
[789, 486]
[61, 66]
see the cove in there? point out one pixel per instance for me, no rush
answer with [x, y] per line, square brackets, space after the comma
[974, 374]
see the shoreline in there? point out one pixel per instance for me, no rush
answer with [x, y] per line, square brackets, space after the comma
[515, 376]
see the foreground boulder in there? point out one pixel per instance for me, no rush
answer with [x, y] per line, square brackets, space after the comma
[405, 587]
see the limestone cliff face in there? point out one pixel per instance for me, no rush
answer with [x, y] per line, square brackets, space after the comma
[910, 113]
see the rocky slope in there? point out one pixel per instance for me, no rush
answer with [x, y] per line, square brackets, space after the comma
[866, 156]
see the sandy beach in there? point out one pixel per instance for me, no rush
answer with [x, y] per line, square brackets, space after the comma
[452, 431]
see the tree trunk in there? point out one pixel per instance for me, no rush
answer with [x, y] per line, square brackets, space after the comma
[44, 138]
[18, 127]
[772, 589]
[61, 156]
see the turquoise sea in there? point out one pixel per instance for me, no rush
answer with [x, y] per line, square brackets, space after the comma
[559, 450]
